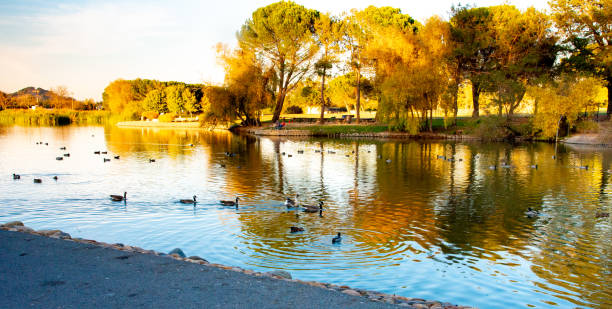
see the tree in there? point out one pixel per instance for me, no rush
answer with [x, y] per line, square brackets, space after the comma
[190, 101]
[567, 96]
[4, 101]
[525, 50]
[282, 35]
[328, 32]
[59, 97]
[118, 96]
[473, 47]
[587, 30]
[156, 101]
[174, 98]
[221, 111]
[366, 30]
[246, 83]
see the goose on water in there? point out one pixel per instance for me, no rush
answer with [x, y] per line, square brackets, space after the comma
[295, 229]
[291, 202]
[106, 160]
[312, 208]
[230, 203]
[15, 176]
[193, 201]
[117, 157]
[337, 239]
[37, 180]
[119, 198]
[531, 213]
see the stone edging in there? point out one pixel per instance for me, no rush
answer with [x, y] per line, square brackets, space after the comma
[177, 254]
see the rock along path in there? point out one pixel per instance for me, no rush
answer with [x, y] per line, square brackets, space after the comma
[44, 272]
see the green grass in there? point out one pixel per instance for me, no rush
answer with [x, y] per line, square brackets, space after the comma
[52, 117]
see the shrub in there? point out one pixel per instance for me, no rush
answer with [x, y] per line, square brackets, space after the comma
[294, 110]
[490, 128]
[405, 124]
[150, 115]
[167, 117]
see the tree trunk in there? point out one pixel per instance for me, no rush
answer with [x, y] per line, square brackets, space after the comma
[357, 104]
[455, 106]
[515, 105]
[609, 86]
[322, 119]
[475, 97]
[431, 120]
[279, 106]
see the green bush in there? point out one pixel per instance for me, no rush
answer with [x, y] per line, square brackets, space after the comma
[294, 110]
[489, 128]
[167, 117]
[405, 124]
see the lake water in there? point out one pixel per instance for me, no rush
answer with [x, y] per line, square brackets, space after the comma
[416, 226]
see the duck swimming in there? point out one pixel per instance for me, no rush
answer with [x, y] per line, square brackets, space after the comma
[119, 198]
[531, 213]
[186, 201]
[295, 229]
[337, 239]
[312, 208]
[230, 203]
[290, 202]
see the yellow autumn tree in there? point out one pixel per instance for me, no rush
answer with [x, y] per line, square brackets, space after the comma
[566, 97]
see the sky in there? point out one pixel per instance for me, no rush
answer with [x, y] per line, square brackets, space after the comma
[84, 45]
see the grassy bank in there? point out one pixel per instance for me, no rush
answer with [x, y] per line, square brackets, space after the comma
[487, 128]
[44, 117]
[341, 129]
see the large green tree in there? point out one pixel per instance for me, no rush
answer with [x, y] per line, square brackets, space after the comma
[155, 101]
[525, 50]
[587, 30]
[174, 98]
[473, 48]
[282, 34]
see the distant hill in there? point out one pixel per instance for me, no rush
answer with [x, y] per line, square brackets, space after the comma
[40, 93]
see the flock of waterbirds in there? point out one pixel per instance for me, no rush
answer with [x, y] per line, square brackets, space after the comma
[292, 203]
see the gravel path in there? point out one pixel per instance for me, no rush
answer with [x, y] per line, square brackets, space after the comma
[44, 272]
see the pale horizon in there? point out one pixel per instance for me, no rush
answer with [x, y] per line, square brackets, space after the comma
[85, 45]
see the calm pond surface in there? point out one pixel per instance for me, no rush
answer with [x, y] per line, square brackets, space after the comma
[416, 226]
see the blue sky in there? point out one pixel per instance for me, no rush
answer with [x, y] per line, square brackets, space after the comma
[84, 45]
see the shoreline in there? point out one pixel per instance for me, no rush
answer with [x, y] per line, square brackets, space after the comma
[339, 291]
[386, 134]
